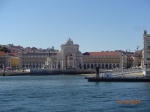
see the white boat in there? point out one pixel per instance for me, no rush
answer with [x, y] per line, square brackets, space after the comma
[109, 73]
[146, 72]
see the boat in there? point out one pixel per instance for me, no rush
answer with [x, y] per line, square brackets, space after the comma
[109, 73]
[146, 72]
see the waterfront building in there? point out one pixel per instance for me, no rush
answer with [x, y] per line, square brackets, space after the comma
[2, 59]
[137, 58]
[103, 60]
[13, 60]
[33, 60]
[50, 62]
[70, 57]
[9, 60]
[146, 51]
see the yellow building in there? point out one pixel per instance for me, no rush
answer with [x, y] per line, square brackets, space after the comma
[103, 60]
[2, 59]
[14, 62]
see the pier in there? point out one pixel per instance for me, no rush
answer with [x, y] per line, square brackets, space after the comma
[118, 79]
[128, 77]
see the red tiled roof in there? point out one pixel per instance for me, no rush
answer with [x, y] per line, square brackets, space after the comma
[103, 53]
[2, 53]
[12, 54]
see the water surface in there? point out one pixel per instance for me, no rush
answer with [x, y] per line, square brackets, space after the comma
[71, 93]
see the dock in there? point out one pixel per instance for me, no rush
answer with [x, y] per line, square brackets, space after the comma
[118, 79]
[136, 76]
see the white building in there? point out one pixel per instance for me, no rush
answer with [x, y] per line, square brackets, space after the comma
[146, 53]
[146, 50]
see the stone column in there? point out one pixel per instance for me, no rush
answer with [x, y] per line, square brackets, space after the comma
[56, 64]
[82, 62]
[62, 63]
[7, 61]
[20, 62]
[50, 65]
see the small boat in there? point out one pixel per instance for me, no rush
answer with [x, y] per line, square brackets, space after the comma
[146, 72]
[109, 73]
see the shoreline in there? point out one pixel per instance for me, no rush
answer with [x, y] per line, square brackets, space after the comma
[86, 74]
[46, 72]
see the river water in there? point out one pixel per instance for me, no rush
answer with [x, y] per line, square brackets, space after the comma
[71, 93]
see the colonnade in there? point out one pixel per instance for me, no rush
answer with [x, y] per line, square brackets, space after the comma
[101, 65]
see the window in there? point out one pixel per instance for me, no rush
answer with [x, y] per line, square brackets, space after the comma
[118, 60]
[91, 60]
[148, 44]
[114, 60]
[102, 60]
[88, 60]
[148, 56]
[95, 60]
[84, 60]
[106, 60]
[110, 60]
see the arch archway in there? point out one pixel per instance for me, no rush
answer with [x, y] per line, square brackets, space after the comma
[102, 66]
[110, 66]
[88, 66]
[84, 66]
[118, 65]
[69, 60]
[106, 66]
[92, 66]
[114, 66]
[95, 66]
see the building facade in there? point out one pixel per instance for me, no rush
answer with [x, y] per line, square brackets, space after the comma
[9, 60]
[146, 50]
[103, 60]
[70, 57]
[2, 59]
[137, 58]
[33, 60]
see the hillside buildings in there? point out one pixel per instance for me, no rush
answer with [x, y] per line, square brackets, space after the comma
[70, 57]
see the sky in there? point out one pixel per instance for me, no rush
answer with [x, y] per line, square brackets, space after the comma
[96, 25]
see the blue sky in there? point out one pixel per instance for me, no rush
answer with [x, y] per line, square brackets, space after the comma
[96, 25]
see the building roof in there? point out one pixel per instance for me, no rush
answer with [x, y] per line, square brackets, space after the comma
[12, 54]
[112, 53]
[2, 53]
[36, 53]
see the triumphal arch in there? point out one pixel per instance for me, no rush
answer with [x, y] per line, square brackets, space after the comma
[69, 56]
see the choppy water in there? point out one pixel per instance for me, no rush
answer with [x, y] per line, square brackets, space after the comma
[64, 93]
